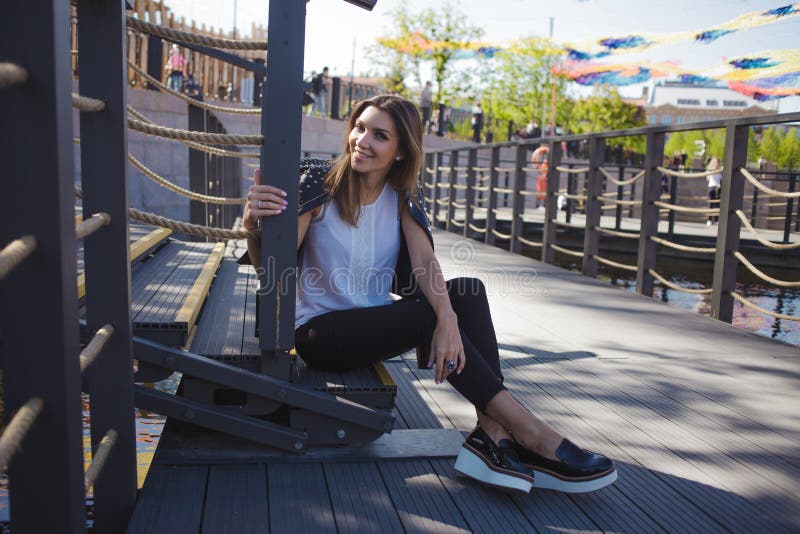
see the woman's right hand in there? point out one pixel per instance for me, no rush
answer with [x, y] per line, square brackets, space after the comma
[262, 201]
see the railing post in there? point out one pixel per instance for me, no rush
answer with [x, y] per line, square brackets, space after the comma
[518, 200]
[39, 311]
[651, 192]
[551, 203]
[673, 199]
[730, 199]
[437, 178]
[104, 165]
[787, 223]
[472, 162]
[451, 209]
[594, 188]
[429, 178]
[631, 212]
[491, 216]
[620, 196]
[198, 168]
[336, 97]
[570, 191]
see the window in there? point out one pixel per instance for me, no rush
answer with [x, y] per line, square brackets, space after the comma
[652, 119]
[734, 103]
[688, 102]
[666, 119]
[711, 103]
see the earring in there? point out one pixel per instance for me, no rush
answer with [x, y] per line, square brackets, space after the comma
[397, 158]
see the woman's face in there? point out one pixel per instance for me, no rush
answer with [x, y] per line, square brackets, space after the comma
[373, 142]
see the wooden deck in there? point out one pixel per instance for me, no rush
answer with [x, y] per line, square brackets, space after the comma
[701, 418]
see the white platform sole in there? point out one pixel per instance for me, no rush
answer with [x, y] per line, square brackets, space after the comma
[470, 464]
[544, 480]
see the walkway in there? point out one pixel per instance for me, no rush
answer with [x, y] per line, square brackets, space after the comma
[700, 416]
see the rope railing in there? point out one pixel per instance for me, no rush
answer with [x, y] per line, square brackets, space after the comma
[15, 253]
[572, 197]
[566, 251]
[87, 104]
[17, 429]
[753, 269]
[180, 190]
[769, 244]
[504, 169]
[481, 169]
[477, 229]
[686, 209]
[430, 170]
[500, 234]
[190, 100]
[503, 190]
[616, 181]
[480, 187]
[92, 224]
[92, 350]
[529, 193]
[741, 300]
[12, 74]
[188, 135]
[460, 224]
[576, 170]
[199, 146]
[442, 202]
[99, 458]
[459, 186]
[191, 229]
[685, 248]
[676, 287]
[443, 186]
[619, 202]
[611, 263]
[753, 180]
[460, 205]
[187, 37]
[530, 243]
[683, 174]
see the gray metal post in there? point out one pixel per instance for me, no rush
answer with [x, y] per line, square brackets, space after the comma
[654, 156]
[491, 217]
[594, 188]
[198, 169]
[570, 191]
[104, 165]
[518, 200]
[787, 222]
[551, 203]
[731, 199]
[673, 199]
[39, 315]
[437, 191]
[472, 162]
[451, 209]
[620, 196]
[281, 127]
[336, 97]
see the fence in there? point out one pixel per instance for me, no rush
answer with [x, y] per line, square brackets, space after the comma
[496, 185]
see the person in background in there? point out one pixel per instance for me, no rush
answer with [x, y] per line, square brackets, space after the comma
[540, 161]
[175, 68]
[425, 103]
[477, 122]
[714, 186]
[319, 90]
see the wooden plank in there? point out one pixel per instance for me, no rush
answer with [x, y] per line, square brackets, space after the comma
[413, 401]
[190, 308]
[236, 499]
[312, 513]
[171, 500]
[359, 497]
[422, 502]
[221, 326]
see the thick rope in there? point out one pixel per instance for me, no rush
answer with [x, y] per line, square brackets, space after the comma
[460, 205]
[704, 211]
[567, 251]
[620, 182]
[504, 169]
[180, 190]
[191, 229]
[529, 243]
[190, 100]
[607, 231]
[430, 170]
[84, 103]
[198, 146]
[624, 266]
[92, 224]
[682, 174]
[500, 235]
[753, 269]
[477, 229]
[99, 458]
[15, 253]
[737, 297]
[618, 202]
[676, 287]
[503, 190]
[187, 37]
[12, 74]
[753, 180]
[457, 223]
[576, 170]
[481, 169]
[770, 244]
[90, 353]
[17, 429]
[686, 248]
[201, 137]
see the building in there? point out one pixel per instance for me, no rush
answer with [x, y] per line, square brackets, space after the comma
[678, 103]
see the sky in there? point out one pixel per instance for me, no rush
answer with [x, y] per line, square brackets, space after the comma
[335, 28]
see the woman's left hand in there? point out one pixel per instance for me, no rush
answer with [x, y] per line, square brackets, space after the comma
[447, 347]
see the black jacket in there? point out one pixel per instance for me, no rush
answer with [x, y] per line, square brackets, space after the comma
[312, 194]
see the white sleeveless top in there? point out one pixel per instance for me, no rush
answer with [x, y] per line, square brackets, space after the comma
[343, 267]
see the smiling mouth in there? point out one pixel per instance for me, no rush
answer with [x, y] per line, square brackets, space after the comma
[360, 154]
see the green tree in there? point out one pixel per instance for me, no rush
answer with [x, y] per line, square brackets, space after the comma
[605, 110]
[789, 152]
[770, 147]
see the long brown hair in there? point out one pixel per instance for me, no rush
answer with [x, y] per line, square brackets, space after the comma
[342, 182]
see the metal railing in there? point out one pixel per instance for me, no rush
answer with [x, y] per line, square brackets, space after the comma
[490, 191]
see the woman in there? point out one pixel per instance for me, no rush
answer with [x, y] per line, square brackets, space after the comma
[362, 234]
[714, 185]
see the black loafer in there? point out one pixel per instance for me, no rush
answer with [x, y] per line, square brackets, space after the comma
[494, 464]
[576, 470]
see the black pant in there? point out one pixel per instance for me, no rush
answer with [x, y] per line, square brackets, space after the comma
[343, 340]
[713, 194]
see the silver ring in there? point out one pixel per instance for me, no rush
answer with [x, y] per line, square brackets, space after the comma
[258, 204]
[451, 365]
